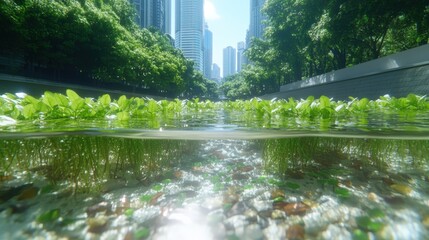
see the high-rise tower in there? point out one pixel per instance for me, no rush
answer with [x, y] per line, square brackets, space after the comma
[256, 28]
[208, 51]
[189, 30]
[240, 56]
[154, 13]
[228, 61]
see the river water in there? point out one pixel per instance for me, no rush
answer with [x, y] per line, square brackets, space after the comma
[214, 178]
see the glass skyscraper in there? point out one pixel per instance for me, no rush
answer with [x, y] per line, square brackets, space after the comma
[154, 13]
[228, 61]
[256, 28]
[208, 51]
[189, 30]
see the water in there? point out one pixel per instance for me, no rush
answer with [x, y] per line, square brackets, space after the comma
[216, 176]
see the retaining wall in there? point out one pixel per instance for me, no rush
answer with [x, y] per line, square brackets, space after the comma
[397, 75]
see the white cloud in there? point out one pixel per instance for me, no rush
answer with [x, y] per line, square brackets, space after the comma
[210, 12]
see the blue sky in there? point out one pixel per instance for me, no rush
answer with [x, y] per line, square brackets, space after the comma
[229, 21]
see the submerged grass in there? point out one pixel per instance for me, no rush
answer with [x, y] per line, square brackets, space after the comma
[87, 161]
[288, 155]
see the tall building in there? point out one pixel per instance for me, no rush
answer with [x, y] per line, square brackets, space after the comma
[228, 61]
[240, 56]
[189, 30]
[154, 13]
[215, 73]
[208, 51]
[256, 28]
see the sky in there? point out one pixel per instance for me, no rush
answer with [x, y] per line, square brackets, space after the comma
[229, 21]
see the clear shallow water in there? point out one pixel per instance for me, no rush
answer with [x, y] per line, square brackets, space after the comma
[215, 178]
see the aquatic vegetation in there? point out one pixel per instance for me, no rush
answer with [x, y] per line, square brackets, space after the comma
[288, 155]
[255, 113]
[87, 162]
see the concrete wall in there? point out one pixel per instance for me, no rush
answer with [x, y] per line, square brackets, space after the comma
[36, 87]
[397, 75]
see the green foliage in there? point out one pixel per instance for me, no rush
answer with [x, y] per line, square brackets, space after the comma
[98, 40]
[311, 113]
[306, 38]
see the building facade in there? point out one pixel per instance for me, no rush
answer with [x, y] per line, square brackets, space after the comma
[189, 30]
[241, 46]
[154, 13]
[256, 28]
[228, 61]
[208, 51]
[216, 73]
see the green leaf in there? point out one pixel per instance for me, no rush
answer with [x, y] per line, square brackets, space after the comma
[29, 111]
[48, 216]
[77, 104]
[360, 235]
[376, 213]
[123, 116]
[123, 102]
[342, 192]
[367, 224]
[49, 99]
[145, 198]
[72, 95]
[157, 187]
[142, 233]
[105, 100]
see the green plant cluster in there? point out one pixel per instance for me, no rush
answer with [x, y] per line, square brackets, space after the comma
[87, 162]
[72, 106]
[255, 113]
[288, 155]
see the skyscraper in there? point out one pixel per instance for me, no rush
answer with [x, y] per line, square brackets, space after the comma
[154, 13]
[228, 61]
[208, 51]
[240, 56]
[215, 73]
[256, 28]
[189, 30]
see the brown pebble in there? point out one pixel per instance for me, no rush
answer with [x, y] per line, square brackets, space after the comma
[402, 189]
[277, 193]
[98, 208]
[295, 232]
[426, 221]
[155, 198]
[6, 178]
[124, 204]
[28, 193]
[373, 197]
[298, 208]
[97, 225]
[240, 176]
